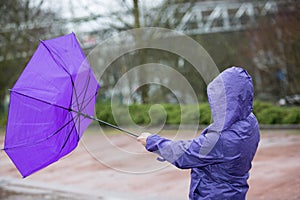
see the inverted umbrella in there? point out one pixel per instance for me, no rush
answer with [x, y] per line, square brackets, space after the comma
[51, 105]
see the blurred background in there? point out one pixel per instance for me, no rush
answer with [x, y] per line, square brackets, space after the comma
[262, 36]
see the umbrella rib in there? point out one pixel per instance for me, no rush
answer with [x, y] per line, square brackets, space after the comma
[77, 102]
[85, 90]
[43, 101]
[78, 113]
[57, 131]
[58, 63]
[67, 109]
[63, 67]
[37, 99]
[76, 96]
[84, 115]
[71, 133]
[80, 107]
[87, 102]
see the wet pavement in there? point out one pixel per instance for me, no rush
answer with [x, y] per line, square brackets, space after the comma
[16, 189]
[116, 167]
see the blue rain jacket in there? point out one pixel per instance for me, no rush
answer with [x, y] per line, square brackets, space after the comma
[220, 158]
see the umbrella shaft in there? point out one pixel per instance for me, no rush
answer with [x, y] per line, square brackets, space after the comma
[106, 123]
[116, 127]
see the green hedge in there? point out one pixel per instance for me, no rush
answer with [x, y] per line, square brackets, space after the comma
[144, 114]
[266, 113]
[3, 119]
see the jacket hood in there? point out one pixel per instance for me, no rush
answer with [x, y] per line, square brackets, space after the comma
[230, 96]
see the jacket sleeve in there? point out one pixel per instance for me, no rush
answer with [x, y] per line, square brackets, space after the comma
[184, 154]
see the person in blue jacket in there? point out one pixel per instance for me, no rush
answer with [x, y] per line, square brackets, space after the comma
[220, 157]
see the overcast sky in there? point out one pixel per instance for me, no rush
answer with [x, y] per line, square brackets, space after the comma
[77, 8]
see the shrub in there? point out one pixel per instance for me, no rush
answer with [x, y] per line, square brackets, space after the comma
[266, 113]
[3, 119]
[190, 114]
[157, 114]
[259, 106]
[139, 113]
[103, 112]
[173, 113]
[272, 115]
[292, 116]
[205, 114]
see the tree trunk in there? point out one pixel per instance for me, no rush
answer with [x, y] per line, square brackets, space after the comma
[142, 56]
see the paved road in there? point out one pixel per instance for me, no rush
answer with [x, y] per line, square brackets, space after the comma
[113, 166]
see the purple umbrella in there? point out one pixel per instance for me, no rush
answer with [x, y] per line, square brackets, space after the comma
[51, 105]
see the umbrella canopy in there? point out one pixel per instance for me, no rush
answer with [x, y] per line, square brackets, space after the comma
[50, 105]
